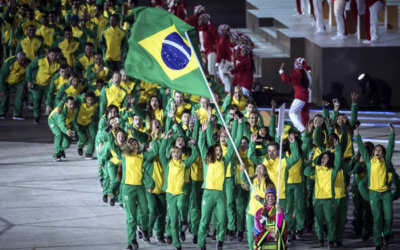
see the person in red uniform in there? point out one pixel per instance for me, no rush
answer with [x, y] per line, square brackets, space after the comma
[178, 8]
[224, 56]
[207, 36]
[300, 78]
[243, 71]
[372, 8]
[193, 20]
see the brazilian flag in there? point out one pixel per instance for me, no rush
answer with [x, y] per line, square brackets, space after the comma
[160, 53]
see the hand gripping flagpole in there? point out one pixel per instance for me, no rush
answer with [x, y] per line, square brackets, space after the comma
[220, 114]
[281, 125]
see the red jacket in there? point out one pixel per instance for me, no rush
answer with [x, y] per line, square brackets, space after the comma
[178, 10]
[243, 73]
[193, 21]
[223, 48]
[207, 36]
[294, 78]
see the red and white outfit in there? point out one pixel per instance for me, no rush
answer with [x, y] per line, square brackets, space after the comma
[319, 19]
[207, 37]
[224, 56]
[178, 8]
[243, 71]
[338, 9]
[372, 8]
[299, 110]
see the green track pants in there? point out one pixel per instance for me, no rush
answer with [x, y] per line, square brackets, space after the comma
[295, 207]
[324, 212]
[250, 225]
[230, 203]
[173, 215]
[134, 197]
[340, 217]
[87, 134]
[212, 199]
[195, 206]
[61, 140]
[113, 183]
[382, 214]
[157, 212]
[19, 96]
[39, 94]
[241, 201]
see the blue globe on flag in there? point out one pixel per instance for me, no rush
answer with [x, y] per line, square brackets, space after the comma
[174, 52]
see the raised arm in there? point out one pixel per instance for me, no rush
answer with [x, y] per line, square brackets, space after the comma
[361, 148]
[354, 109]
[294, 149]
[390, 146]
[193, 156]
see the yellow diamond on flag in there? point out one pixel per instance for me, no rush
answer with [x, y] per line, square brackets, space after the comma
[171, 51]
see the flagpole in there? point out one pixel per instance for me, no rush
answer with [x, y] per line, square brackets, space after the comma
[220, 114]
[280, 133]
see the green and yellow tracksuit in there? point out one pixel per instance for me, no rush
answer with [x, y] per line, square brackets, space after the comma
[113, 40]
[260, 187]
[179, 110]
[362, 214]
[128, 85]
[12, 76]
[272, 165]
[68, 90]
[86, 121]
[101, 23]
[174, 178]
[32, 47]
[324, 194]
[241, 195]
[156, 199]
[111, 160]
[133, 191]
[39, 72]
[49, 35]
[92, 76]
[379, 190]
[241, 104]
[83, 63]
[56, 82]
[59, 123]
[24, 24]
[114, 95]
[214, 196]
[69, 49]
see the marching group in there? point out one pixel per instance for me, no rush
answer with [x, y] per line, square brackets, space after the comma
[165, 157]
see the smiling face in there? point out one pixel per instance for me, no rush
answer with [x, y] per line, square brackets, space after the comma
[178, 97]
[263, 132]
[121, 138]
[113, 113]
[261, 171]
[244, 145]
[253, 119]
[272, 151]
[137, 121]
[270, 199]
[116, 79]
[223, 138]
[176, 153]
[318, 121]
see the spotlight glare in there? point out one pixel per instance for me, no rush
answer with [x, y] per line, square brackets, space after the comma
[361, 76]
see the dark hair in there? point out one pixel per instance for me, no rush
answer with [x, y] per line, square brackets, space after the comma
[111, 107]
[150, 112]
[331, 160]
[53, 50]
[267, 179]
[115, 16]
[210, 156]
[127, 146]
[383, 149]
[89, 44]
[68, 28]
[90, 94]
[64, 66]
[70, 98]
[273, 144]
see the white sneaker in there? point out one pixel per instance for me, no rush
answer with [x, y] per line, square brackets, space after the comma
[18, 118]
[339, 37]
[366, 42]
[319, 32]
